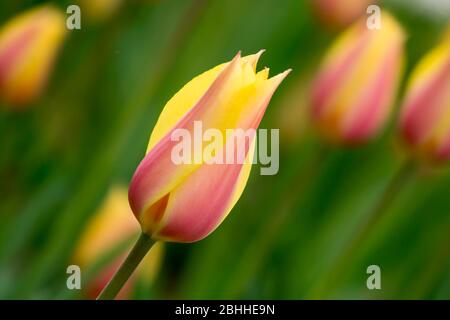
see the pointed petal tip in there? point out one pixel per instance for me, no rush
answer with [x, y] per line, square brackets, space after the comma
[259, 53]
[287, 71]
[257, 56]
[235, 59]
[280, 77]
[254, 58]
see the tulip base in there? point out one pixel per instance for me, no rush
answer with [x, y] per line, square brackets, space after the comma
[137, 253]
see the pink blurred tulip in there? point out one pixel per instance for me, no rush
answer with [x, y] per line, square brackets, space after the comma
[109, 228]
[425, 116]
[28, 47]
[355, 88]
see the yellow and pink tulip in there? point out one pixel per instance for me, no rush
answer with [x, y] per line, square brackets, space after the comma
[354, 91]
[185, 203]
[425, 115]
[28, 47]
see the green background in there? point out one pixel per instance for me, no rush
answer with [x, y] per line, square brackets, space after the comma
[282, 240]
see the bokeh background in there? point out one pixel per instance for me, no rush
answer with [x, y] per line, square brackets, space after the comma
[76, 147]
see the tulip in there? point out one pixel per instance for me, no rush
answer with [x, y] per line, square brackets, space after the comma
[354, 91]
[425, 115]
[186, 202]
[28, 47]
[337, 13]
[110, 227]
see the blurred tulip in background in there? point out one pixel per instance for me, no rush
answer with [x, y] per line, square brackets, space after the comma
[29, 43]
[354, 91]
[113, 228]
[425, 117]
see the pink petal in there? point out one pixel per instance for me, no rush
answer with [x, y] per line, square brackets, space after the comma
[366, 118]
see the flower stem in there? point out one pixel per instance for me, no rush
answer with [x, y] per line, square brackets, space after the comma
[395, 185]
[140, 249]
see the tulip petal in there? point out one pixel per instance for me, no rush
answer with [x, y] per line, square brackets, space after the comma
[148, 184]
[334, 66]
[444, 150]
[187, 97]
[199, 204]
[373, 108]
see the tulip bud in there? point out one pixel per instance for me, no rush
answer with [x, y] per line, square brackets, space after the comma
[110, 227]
[337, 13]
[28, 46]
[425, 115]
[186, 202]
[353, 93]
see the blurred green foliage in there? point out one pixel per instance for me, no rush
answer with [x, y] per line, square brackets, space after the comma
[90, 130]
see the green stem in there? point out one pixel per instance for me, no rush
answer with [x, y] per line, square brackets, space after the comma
[140, 249]
[395, 185]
